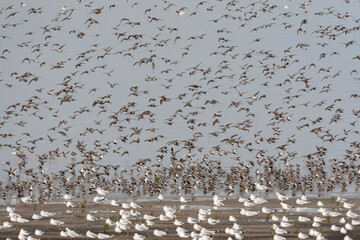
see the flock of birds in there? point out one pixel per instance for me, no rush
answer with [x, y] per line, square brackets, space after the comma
[173, 97]
[175, 218]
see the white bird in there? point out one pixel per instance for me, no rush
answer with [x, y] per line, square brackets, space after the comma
[342, 220]
[98, 199]
[285, 206]
[118, 229]
[349, 227]
[134, 205]
[303, 219]
[275, 218]
[316, 224]
[281, 197]
[347, 238]
[39, 232]
[26, 200]
[90, 217]
[56, 222]
[36, 217]
[302, 202]
[141, 227]
[101, 192]
[138, 237]
[64, 234]
[206, 232]
[31, 238]
[178, 223]
[191, 220]
[205, 211]
[355, 223]
[348, 205]
[71, 233]
[104, 236]
[280, 231]
[10, 209]
[22, 220]
[343, 230]
[7, 225]
[266, 210]
[248, 204]
[232, 219]
[335, 228]
[318, 219]
[351, 214]
[111, 223]
[218, 201]
[248, 213]
[163, 217]
[313, 233]
[160, 197]
[320, 204]
[70, 204]
[195, 235]
[24, 232]
[241, 199]
[285, 224]
[236, 226]
[260, 187]
[149, 223]
[148, 217]
[114, 203]
[46, 214]
[183, 200]
[158, 233]
[340, 199]
[302, 236]
[197, 227]
[278, 237]
[259, 200]
[285, 219]
[125, 205]
[91, 234]
[68, 197]
[212, 221]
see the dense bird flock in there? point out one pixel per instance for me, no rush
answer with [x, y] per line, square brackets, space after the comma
[197, 96]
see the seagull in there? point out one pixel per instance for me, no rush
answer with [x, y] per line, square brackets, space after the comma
[104, 236]
[68, 197]
[56, 222]
[134, 205]
[183, 200]
[39, 232]
[281, 197]
[141, 227]
[26, 200]
[98, 199]
[91, 234]
[160, 197]
[138, 237]
[212, 221]
[46, 214]
[114, 203]
[71, 233]
[36, 217]
[158, 233]
[101, 191]
[302, 236]
[90, 217]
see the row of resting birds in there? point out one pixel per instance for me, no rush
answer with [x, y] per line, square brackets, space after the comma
[285, 217]
[198, 96]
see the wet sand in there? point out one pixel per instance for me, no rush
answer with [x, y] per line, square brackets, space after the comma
[256, 227]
